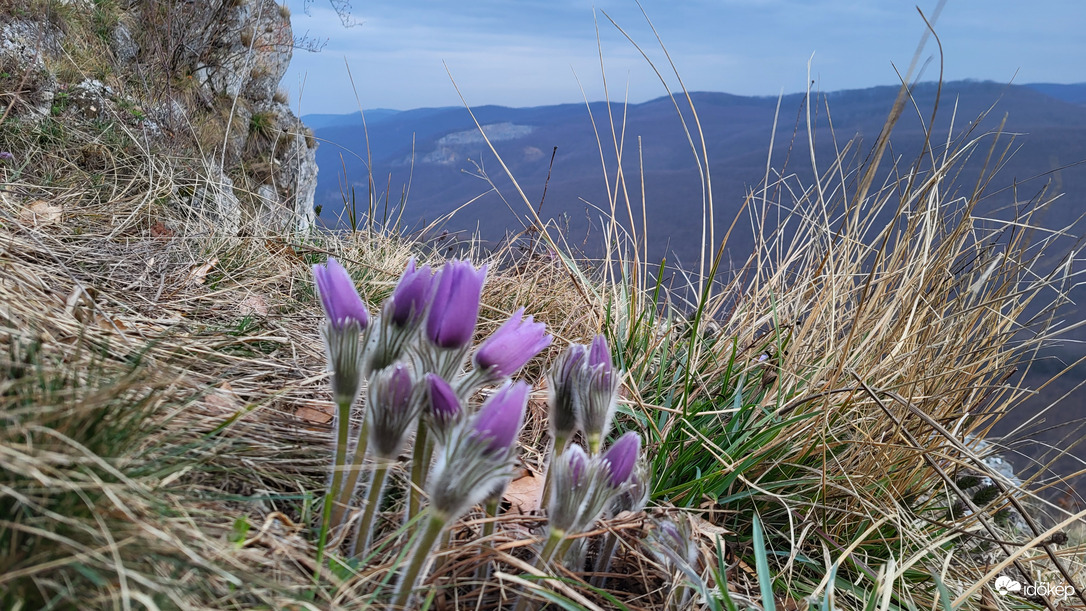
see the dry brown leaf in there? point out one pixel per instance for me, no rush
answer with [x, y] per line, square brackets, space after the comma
[312, 415]
[254, 304]
[111, 324]
[523, 493]
[160, 230]
[199, 273]
[707, 529]
[40, 212]
[80, 304]
[224, 398]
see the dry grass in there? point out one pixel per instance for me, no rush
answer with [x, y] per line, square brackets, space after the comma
[894, 340]
[207, 346]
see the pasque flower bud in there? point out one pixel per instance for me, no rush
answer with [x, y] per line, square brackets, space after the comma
[455, 307]
[412, 295]
[393, 408]
[499, 421]
[571, 479]
[401, 315]
[347, 318]
[478, 454]
[636, 495]
[511, 346]
[339, 296]
[444, 405]
[598, 387]
[582, 488]
[564, 397]
[621, 458]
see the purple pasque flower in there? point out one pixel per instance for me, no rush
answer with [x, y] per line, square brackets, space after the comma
[347, 317]
[572, 478]
[6, 156]
[455, 306]
[401, 314]
[563, 397]
[599, 357]
[339, 295]
[636, 495]
[512, 345]
[673, 545]
[582, 488]
[444, 404]
[621, 459]
[598, 388]
[393, 408]
[578, 463]
[411, 295]
[498, 422]
[476, 460]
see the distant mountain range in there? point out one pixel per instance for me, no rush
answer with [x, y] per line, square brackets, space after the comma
[1074, 93]
[435, 157]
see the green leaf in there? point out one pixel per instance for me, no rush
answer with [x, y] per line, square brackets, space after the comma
[761, 564]
[240, 531]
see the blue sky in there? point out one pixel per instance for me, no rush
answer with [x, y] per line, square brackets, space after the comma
[533, 52]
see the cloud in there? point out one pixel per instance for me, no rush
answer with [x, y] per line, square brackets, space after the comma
[521, 53]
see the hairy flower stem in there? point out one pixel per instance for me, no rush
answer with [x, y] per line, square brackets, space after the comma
[343, 424]
[491, 507]
[354, 473]
[563, 549]
[420, 464]
[560, 443]
[553, 540]
[607, 551]
[593, 444]
[556, 537]
[680, 597]
[364, 534]
[443, 543]
[425, 545]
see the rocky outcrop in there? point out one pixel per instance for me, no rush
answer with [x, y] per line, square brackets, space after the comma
[251, 51]
[23, 46]
[451, 148]
[204, 71]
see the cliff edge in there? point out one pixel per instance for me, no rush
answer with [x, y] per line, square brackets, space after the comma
[196, 82]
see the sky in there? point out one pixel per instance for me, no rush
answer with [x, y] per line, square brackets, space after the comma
[519, 53]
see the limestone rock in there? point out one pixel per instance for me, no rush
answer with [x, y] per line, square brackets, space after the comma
[91, 98]
[125, 48]
[216, 203]
[253, 52]
[22, 46]
[206, 70]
